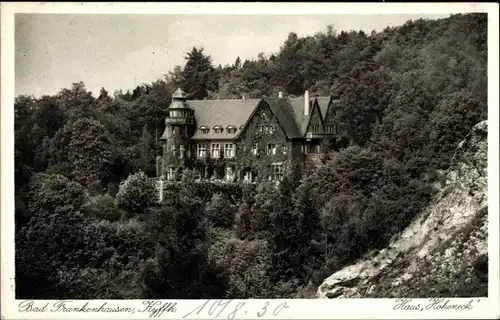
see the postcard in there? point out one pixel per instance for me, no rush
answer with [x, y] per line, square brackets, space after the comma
[249, 161]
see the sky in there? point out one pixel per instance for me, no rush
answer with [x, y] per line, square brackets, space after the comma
[118, 51]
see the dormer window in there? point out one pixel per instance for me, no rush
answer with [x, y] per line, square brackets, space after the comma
[204, 129]
[218, 129]
[231, 129]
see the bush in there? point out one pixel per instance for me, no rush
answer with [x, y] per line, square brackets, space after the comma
[137, 193]
[220, 211]
[102, 206]
[47, 192]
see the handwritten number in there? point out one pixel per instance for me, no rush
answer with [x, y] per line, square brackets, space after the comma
[198, 308]
[224, 304]
[213, 307]
[277, 310]
[264, 308]
[238, 307]
[220, 306]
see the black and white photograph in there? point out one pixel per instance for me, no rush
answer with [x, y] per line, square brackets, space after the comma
[251, 156]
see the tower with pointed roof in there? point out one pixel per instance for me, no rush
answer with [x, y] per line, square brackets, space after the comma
[178, 130]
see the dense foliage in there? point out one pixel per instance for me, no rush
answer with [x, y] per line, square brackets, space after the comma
[87, 220]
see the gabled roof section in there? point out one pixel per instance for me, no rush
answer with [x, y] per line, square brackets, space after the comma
[285, 116]
[297, 107]
[323, 103]
[211, 113]
[314, 108]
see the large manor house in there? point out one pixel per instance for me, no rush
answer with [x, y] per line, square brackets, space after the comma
[245, 139]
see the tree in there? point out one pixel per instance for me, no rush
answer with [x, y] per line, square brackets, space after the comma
[198, 76]
[137, 193]
[248, 270]
[237, 63]
[104, 97]
[47, 192]
[49, 116]
[89, 151]
[76, 102]
[220, 211]
[147, 154]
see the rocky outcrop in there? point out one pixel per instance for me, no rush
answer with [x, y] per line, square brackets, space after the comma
[442, 253]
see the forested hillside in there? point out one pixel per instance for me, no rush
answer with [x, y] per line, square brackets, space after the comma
[87, 222]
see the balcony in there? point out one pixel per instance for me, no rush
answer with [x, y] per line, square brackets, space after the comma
[178, 120]
[316, 135]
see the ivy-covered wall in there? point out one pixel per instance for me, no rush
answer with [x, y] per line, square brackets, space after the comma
[252, 134]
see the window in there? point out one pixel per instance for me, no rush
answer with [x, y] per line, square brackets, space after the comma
[231, 129]
[229, 173]
[204, 129]
[218, 129]
[201, 150]
[255, 149]
[229, 150]
[181, 149]
[318, 148]
[284, 149]
[261, 129]
[315, 128]
[215, 150]
[173, 151]
[276, 171]
[267, 129]
[271, 149]
[170, 173]
[174, 113]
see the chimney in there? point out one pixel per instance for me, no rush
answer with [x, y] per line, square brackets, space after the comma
[306, 103]
[280, 94]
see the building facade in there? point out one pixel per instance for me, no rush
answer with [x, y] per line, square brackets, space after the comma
[245, 139]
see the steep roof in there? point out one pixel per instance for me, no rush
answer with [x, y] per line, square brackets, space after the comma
[178, 93]
[285, 115]
[210, 113]
[323, 103]
[297, 107]
[237, 112]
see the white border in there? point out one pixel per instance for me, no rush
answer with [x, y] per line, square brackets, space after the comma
[299, 309]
